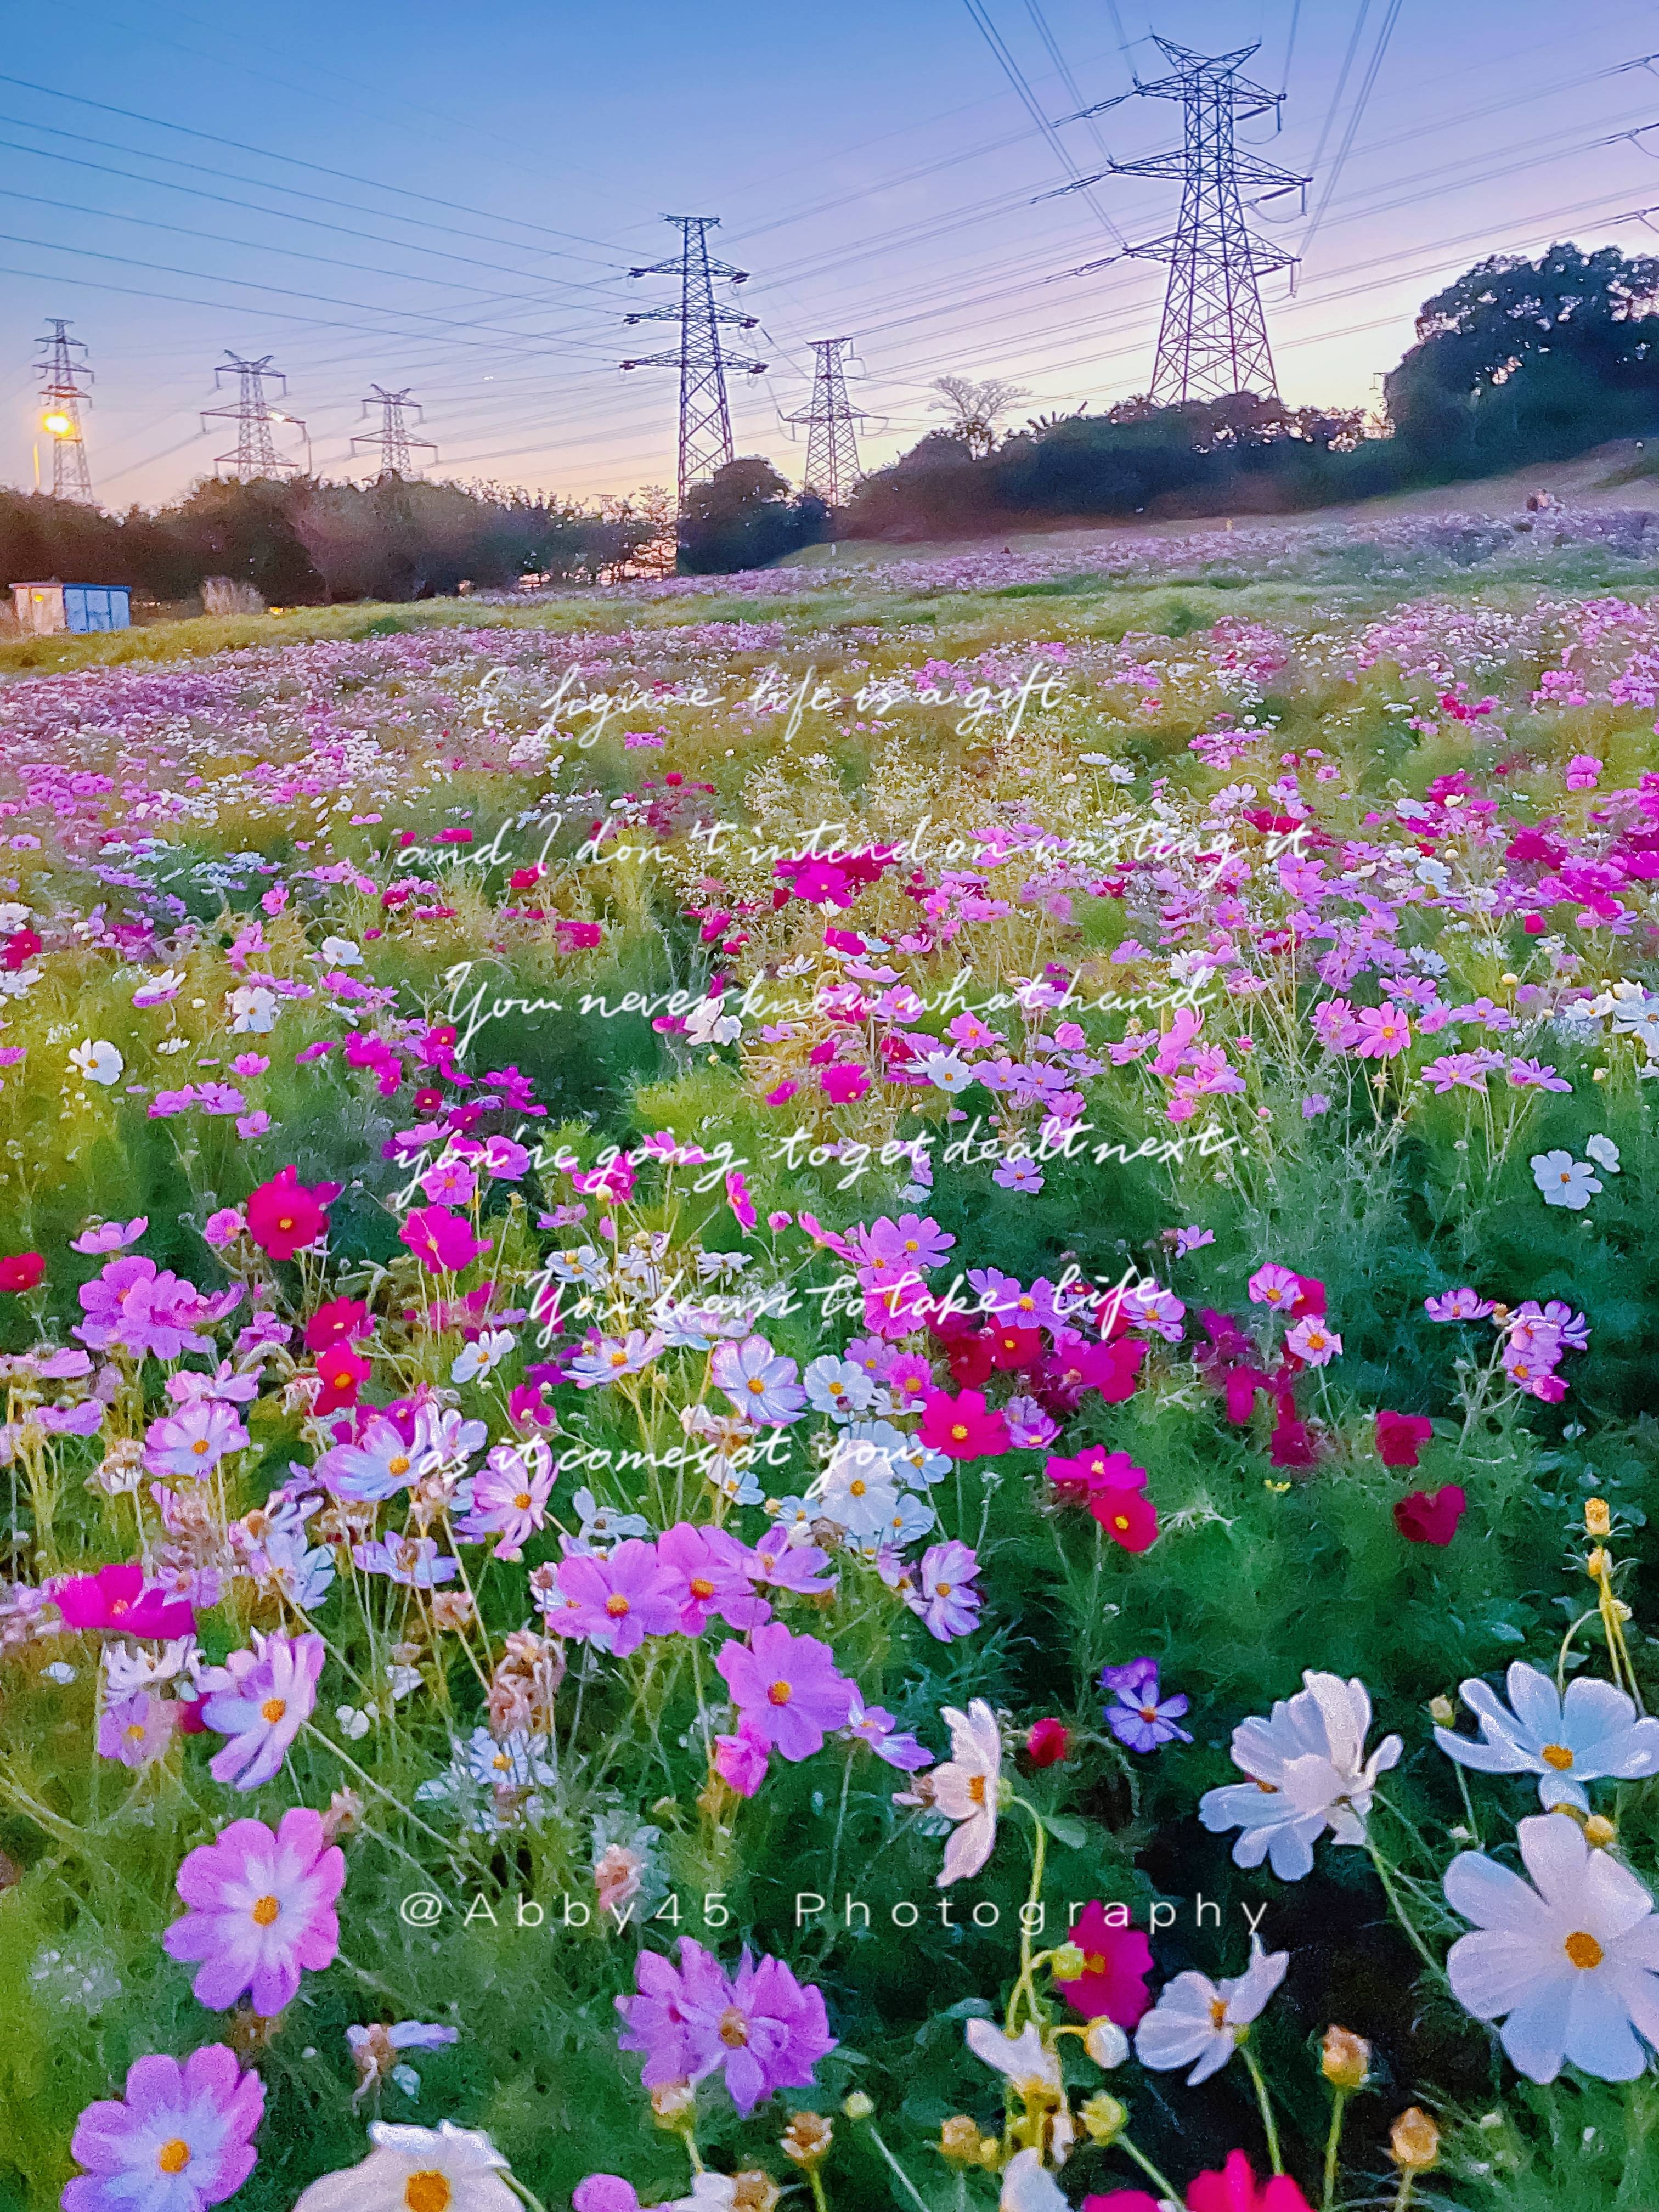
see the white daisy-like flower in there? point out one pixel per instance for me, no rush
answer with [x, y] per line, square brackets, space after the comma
[1592, 1734]
[442, 2169]
[487, 1351]
[1604, 1152]
[1308, 1772]
[97, 1061]
[1028, 2186]
[1201, 2023]
[967, 1789]
[1571, 1965]
[1564, 1179]
[858, 1489]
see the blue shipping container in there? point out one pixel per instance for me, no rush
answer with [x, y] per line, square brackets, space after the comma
[96, 606]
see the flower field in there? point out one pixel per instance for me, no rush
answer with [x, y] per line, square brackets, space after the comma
[841, 1386]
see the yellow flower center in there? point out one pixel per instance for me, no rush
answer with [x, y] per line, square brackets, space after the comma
[398, 1466]
[779, 1693]
[977, 1788]
[134, 1731]
[615, 1605]
[734, 2029]
[200, 1447]
[941, 1589]
[1557, 1756]
[286, 1223]
[1582, 1948]
[523, 1501]
[428, 2192]
[265, 1909]
[857, 1487]
[700, 1588]
[757, 1386]
[1218, 2014]
[173, 2155]
[959, 1433]
[1120, 1522]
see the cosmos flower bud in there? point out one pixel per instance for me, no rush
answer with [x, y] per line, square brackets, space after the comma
[1596, 1564]
[1344, 2059]
[807, 2138]
[674, 2106]
[1599, 1832]
[1067, 1963]
[1442, 1711]
[753, 2190]
[1414, 2140]
[1047, 1742]
[958, 2140]
[1105, 2043]
[1598, 1517]
[858, 2106]
[1103, 2119]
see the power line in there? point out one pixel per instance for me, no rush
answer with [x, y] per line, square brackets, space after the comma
[1366, 82]
[1016, 76]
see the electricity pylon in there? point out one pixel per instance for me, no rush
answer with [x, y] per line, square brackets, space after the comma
[256, 453]
[393, 439]
[60, 405]
[832, 446]
[705, 419]
[1213, 339]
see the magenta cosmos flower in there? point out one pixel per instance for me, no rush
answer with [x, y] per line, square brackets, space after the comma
[261, 1909]
[616, 1602]
[115, 1598]
[787, 1688]
[710, 1570]
[261, 1699]
[179, 2140]
[440, 1239]
[761, 2027]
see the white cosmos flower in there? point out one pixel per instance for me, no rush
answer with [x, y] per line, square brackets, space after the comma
[1564, 1179]
[858, 1489]
[342, 950]
[253, 1009]
[1604, 1152]
[461, 2169]
[487, 1352]
[1201, 2022]
[1021, 2057]
[1570, 1966]
[97, 1062]
[1591, 1734]
[966, 1788]
[1308, 1772]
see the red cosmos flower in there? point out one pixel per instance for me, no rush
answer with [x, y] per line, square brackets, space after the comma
[344, 1372]
[971, 1359]
[440, 1238]
[524, 879]
[1115, 1964]
[1047, 1742]
[115, 1598]
[1235, 2190]
[963, 1427]
[1129, 1516]
[21, 1271]
[1400, 1436]
[284, 1216]
[336, 1321]
[1012, 1346]
[1309, 1298]
[1077, 1479]
[1430, 1518]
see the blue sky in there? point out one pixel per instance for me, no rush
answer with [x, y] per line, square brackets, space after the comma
[449, 200]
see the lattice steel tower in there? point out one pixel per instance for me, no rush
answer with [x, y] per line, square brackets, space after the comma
[1214, 337]
[61, 397]
[705, 419]
[832, 446]
[397, 446]
[256, 453]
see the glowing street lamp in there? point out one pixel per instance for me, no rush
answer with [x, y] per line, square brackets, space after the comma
[58, 423]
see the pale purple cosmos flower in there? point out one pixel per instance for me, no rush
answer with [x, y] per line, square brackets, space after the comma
[178, 2139]
[759, 1382]
[193, 1441]
[659, 2018]
[380, 1464]
[410, 1562]
[948, 1599]
[1139, 1718]
[136, 1730]
[875, 1725]
[110, 1235]
[710, 1571]
[1457, 1305]
[787, 1688]
[509, 1497]
[761, 2027]
[261, 1911]
[1572, 1327]
[261, 1699]
[777, 1564]
[139, 1308]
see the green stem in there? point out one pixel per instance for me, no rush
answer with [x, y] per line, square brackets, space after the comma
[821, 2202]
[1331, 2144]
[910, 2188]
[1165, 2186]
[1393, 1895]
[1269, 2124]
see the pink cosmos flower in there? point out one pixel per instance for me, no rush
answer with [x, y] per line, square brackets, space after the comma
[380, 1464]
[841, 1085]
[787, 1688]
[948, 1599]
[509, 1497]
[737, 1198]
[138, 1729]
[1458, 1306]
[110, 1235]
[1312, 1341]
[615, 1602]
[741, 1760]
[710, 1570]
[260, 1699]
[193, 1441]
[440, 1239]
[761, 2027]
[758, 1381]
[777, 1564]
[134, 1306]
[115, 1598]
[1274, 1286]
[178, 2139]
[1383, 1032]
[261, 1911]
